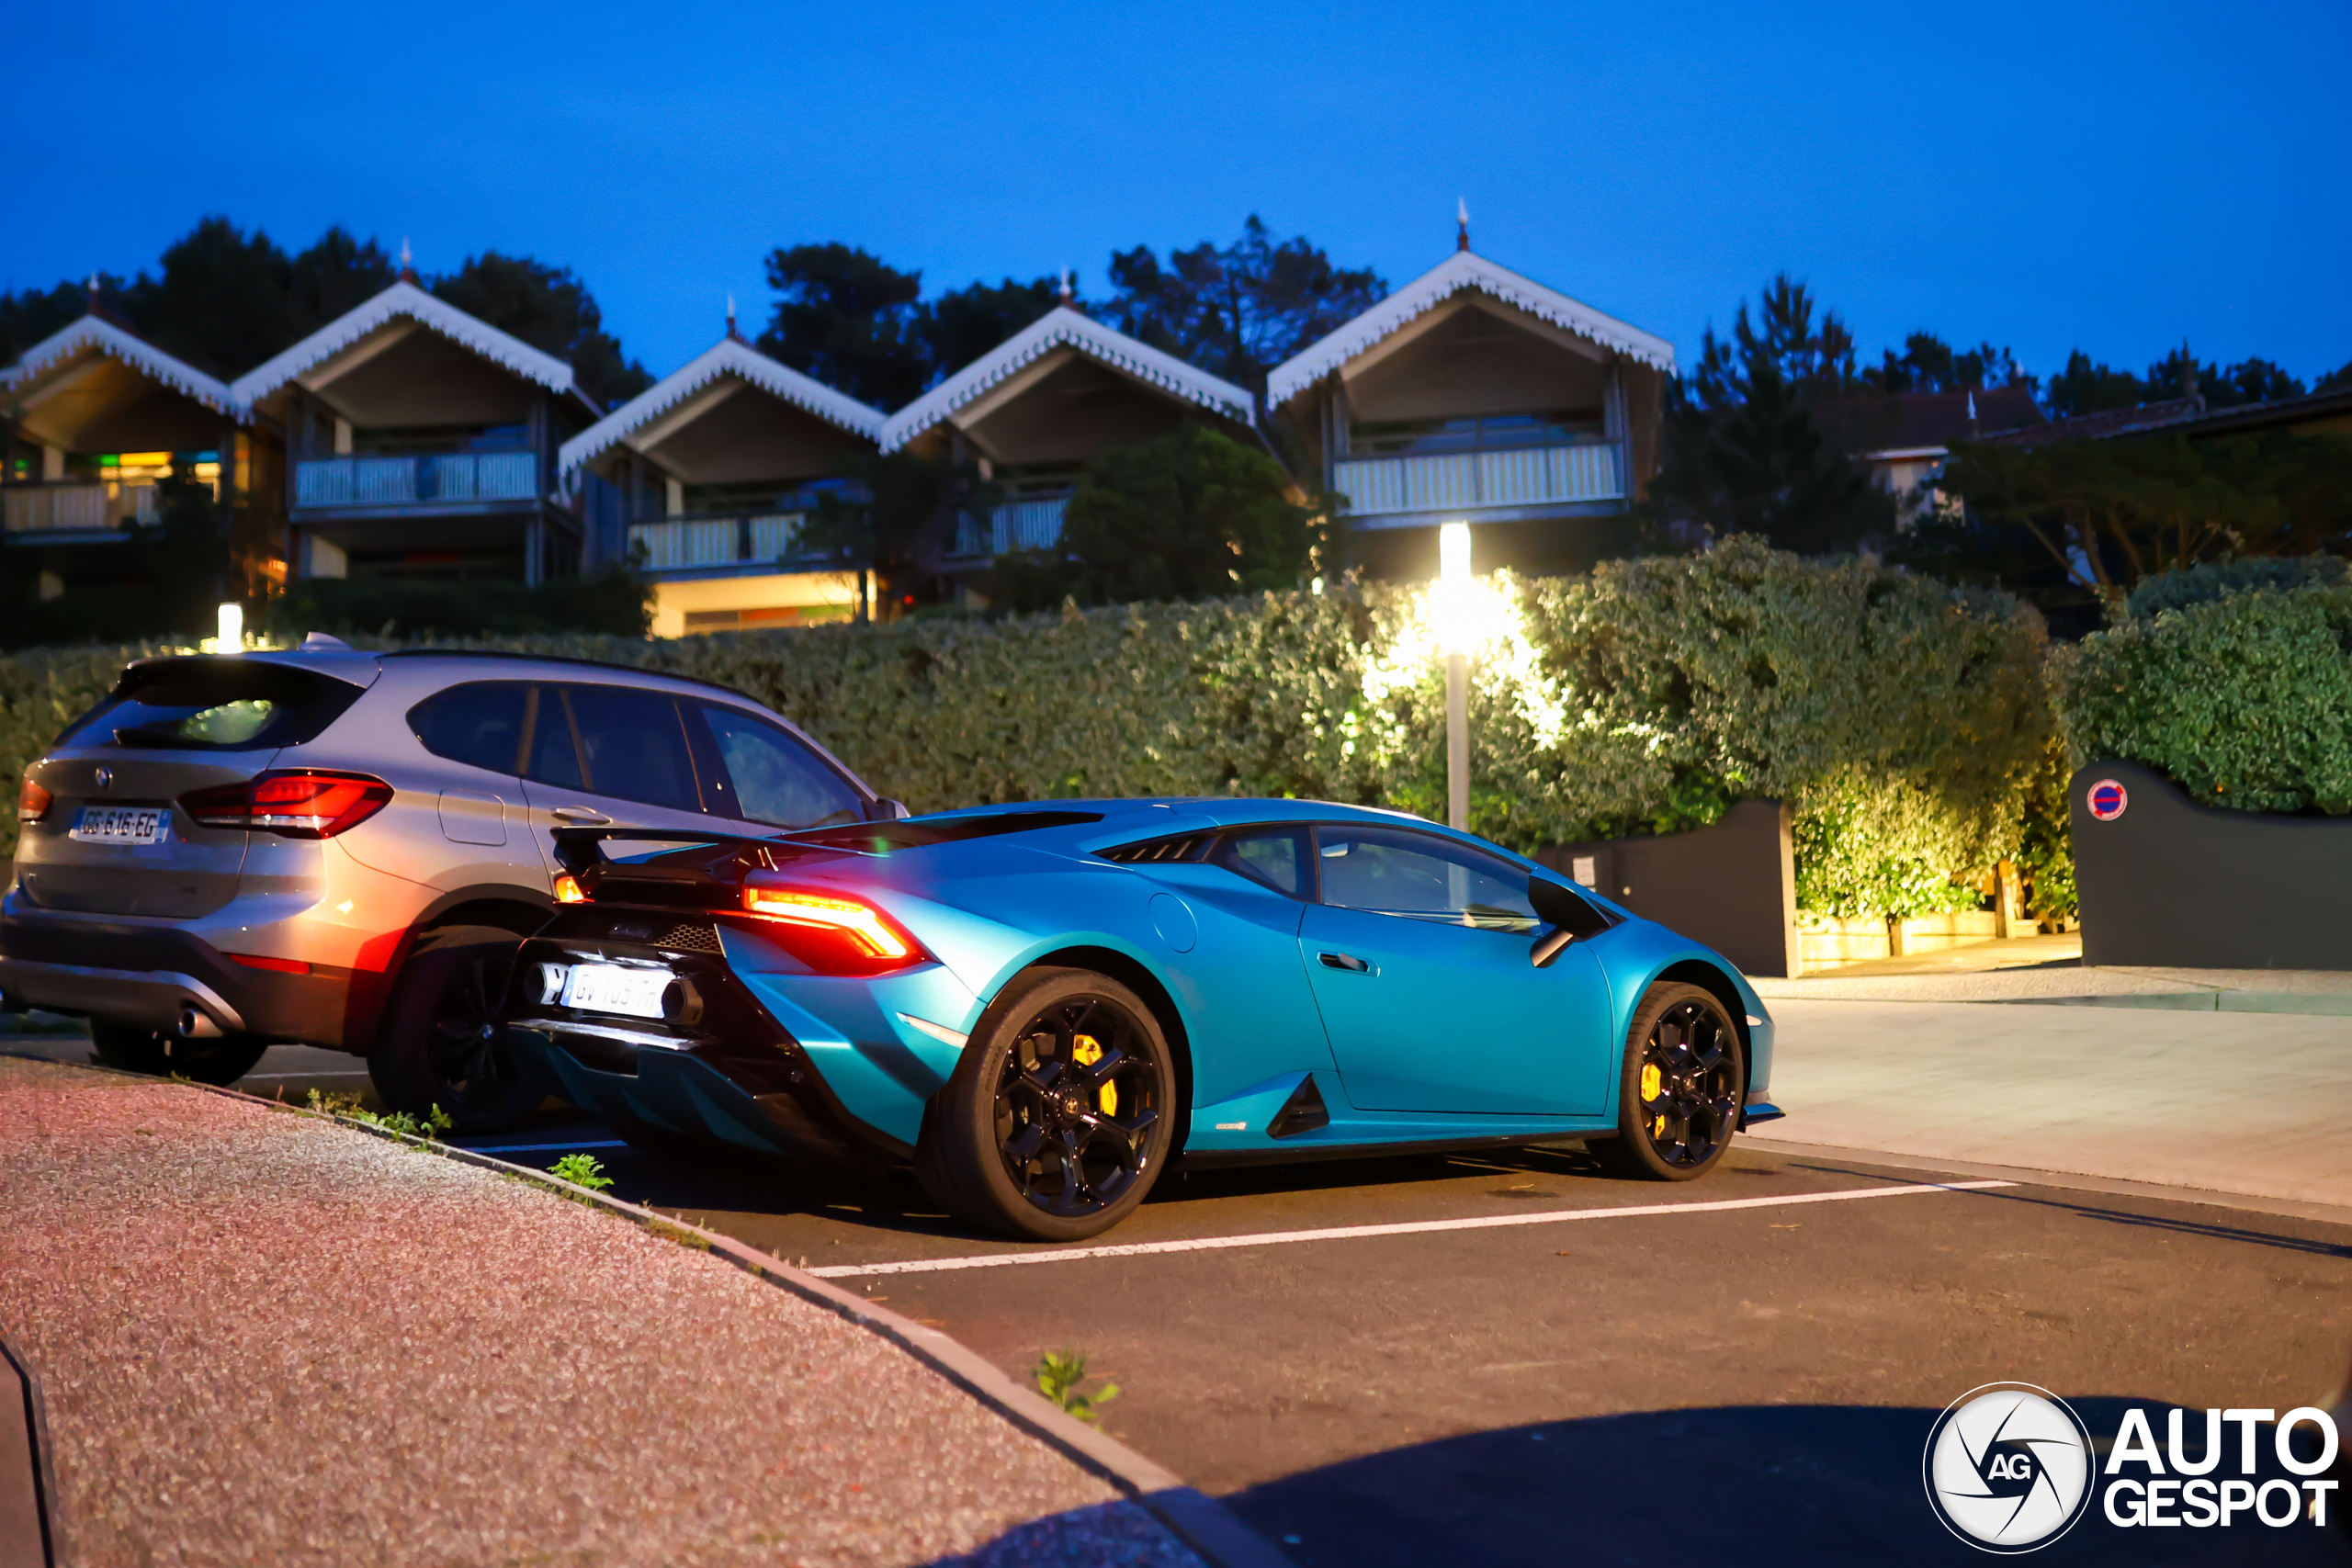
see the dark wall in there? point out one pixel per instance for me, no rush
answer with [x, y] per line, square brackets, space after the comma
[2171, 882]
[1732, 886]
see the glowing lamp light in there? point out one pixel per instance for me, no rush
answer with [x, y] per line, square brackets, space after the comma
[568, 890]
[861, 923]
[1453, 610]
[231, 624]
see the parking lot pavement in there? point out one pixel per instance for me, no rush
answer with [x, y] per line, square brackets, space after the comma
[1452, 1389]
[2247, 1102]
[265, 1338]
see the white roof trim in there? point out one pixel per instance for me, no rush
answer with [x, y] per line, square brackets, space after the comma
[94, 331]
[729, 356]
[403, 299]
[1462, 270]
[1063, 327]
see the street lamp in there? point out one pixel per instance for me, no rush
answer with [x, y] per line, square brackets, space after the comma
[1456, 632]
[231, 627]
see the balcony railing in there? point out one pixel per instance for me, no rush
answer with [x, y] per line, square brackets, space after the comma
[427, 479]
[1032, 525]
[1533, 476]
[681, 542]
[99, 505]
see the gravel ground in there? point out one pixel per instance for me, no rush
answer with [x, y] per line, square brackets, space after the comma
[264, 1338]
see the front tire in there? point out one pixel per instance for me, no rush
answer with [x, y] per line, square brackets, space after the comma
[1679, 1091]
[1060, 1115]
[444, 1036]
[220, 1062]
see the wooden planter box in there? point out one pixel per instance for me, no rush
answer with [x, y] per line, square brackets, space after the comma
[2165, 881]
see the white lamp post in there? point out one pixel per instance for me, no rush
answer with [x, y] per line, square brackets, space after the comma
[232, 626]
[1456, 635]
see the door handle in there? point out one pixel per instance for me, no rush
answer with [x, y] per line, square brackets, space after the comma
[1352, 964]
[585, 816]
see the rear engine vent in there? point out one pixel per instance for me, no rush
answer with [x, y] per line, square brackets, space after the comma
[688, 936]
[689, 939]
[1182, 847]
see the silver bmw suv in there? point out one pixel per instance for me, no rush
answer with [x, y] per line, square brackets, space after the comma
[341, 849]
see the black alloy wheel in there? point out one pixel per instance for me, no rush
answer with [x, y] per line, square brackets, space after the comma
[1682, 1086]
[1061, 1114]
[443, 1037]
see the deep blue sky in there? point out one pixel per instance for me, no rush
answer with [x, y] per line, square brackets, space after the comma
[2113, 176]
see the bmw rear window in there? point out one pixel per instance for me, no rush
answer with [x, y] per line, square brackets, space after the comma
[213, 705]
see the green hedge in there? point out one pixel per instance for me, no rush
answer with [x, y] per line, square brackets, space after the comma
[1904, 721]
[2242, 694]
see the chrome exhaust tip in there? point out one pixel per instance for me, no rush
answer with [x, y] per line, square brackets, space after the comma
[195, 1024]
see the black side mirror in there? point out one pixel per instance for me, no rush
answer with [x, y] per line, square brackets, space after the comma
[1569, 916]
[886, 811]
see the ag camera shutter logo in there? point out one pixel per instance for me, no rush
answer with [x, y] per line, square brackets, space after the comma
[2008, 1467]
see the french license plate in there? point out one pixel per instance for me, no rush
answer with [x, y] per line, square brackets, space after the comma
[120, 825]
[609, 988]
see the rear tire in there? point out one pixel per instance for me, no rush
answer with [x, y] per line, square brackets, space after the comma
[220, 1062]
[1060, 1114]
[444, 1036]
[1680, 1089]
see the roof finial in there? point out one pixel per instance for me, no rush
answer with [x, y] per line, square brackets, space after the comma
[1462, 224]
[731, 319]
[94, 294]
[1971, 413]
[1069, 291]
[408, 269]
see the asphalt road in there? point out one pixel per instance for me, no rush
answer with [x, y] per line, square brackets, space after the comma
[1618, 1372]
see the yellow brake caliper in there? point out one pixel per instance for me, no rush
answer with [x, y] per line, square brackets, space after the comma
[1085, 1050]
[1652, 1081]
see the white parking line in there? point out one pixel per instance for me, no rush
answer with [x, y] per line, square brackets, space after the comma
[1412, 1227]
[534, 1148]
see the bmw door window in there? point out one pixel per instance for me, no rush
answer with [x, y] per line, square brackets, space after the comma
[479, 724]
[614, 741]
[1279, 858]
[1419, 876]
[767, 776]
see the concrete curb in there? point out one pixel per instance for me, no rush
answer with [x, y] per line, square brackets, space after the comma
[28, 1486]
[1197, 1519]
[2068, 1181]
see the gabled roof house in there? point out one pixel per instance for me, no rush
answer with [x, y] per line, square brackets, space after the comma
[1035, 408]
[421, 443]
[706, 479]
[95, 416]
[1474, 394]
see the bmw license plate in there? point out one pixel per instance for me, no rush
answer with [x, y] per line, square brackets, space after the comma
[120, 825]
[609, 988]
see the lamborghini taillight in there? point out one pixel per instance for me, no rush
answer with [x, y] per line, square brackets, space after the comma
[297, 803]
[835, 932]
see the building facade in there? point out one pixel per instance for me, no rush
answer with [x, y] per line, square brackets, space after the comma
[1474, 394]
[420, 444]
[706, 482]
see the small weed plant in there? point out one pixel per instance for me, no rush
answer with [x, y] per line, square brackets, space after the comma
[581, 1170]
[435, 1121]
[1059, 1376]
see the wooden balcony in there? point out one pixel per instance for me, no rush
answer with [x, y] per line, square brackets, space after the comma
[679, 544]
[1472, 482]
[415, 480]
[94, 505]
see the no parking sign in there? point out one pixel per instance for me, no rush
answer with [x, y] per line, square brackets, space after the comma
[2107, 799]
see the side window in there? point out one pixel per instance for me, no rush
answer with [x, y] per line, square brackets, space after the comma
[1279, 858]
[628, 744]
[552, 751]
[480, 724]
[1420, 876]
[771, 777]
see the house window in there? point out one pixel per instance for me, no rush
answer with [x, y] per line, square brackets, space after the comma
[1488, 432]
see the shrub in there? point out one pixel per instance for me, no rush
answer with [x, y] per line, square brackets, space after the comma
[616, 603]
[2244, 699]
[1906, 721]
[2211, 583]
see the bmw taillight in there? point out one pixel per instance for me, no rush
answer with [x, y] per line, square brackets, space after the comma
[835, 932]
[295, 803]
[32, 802]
